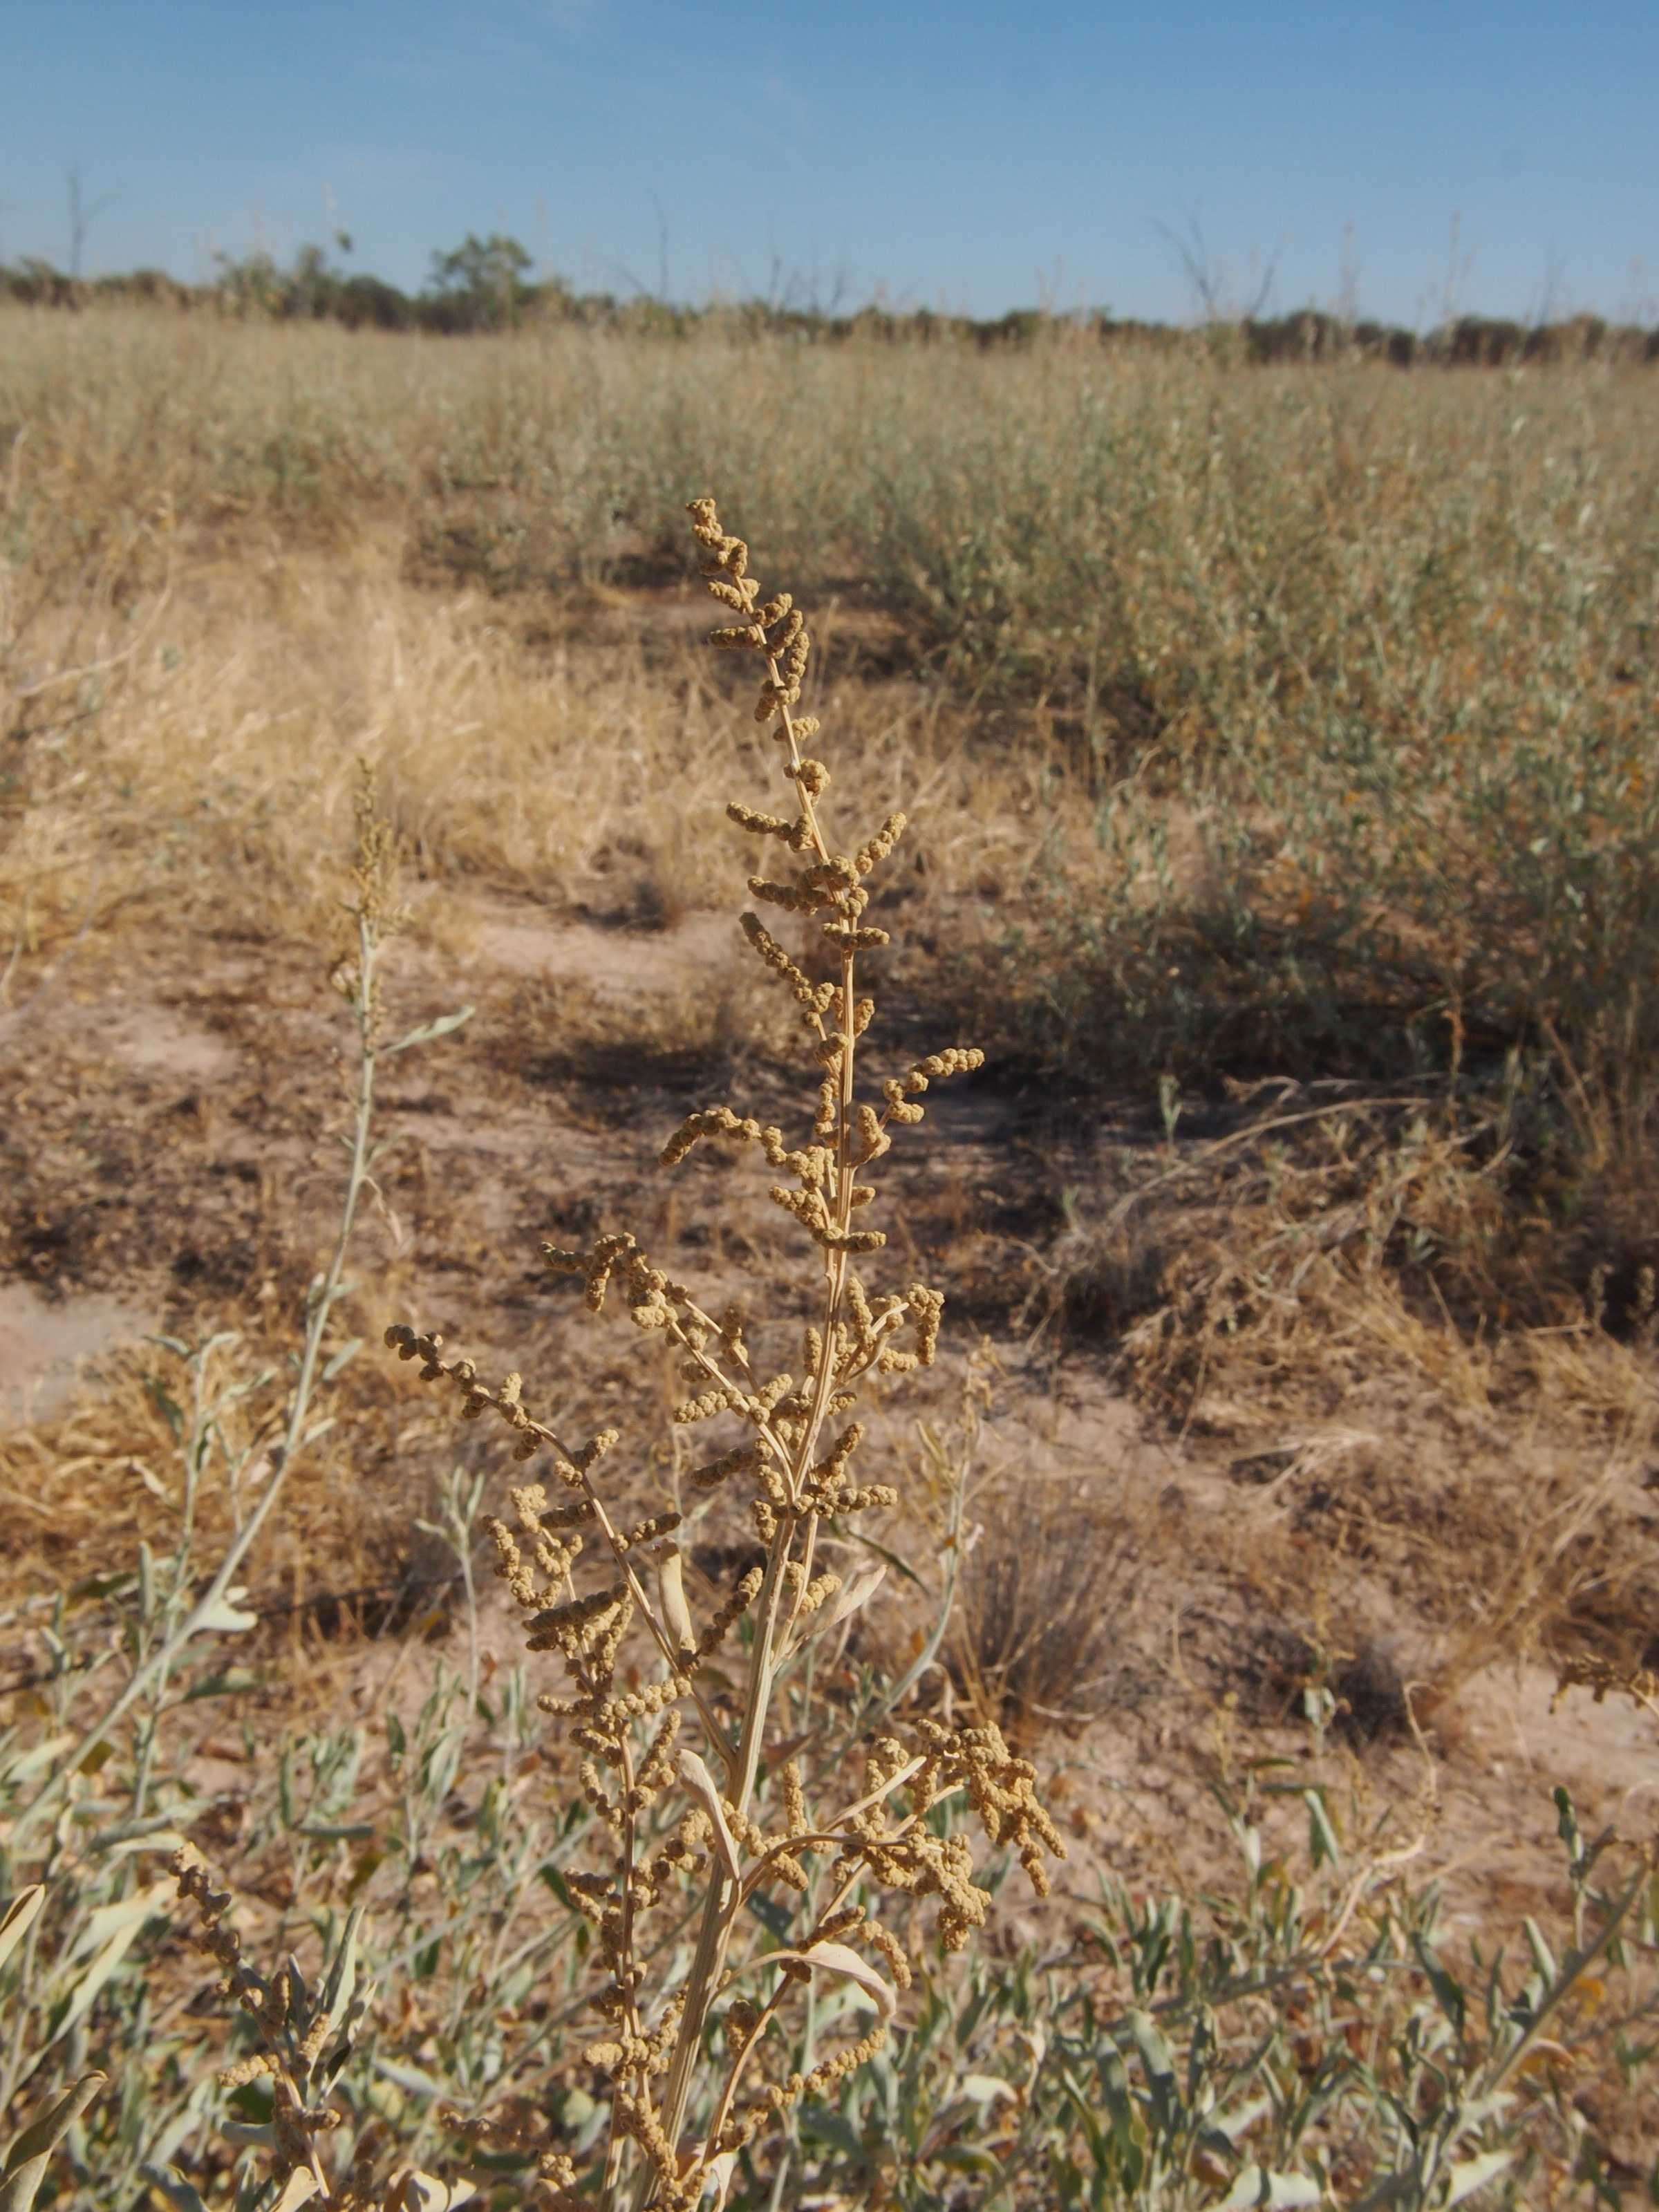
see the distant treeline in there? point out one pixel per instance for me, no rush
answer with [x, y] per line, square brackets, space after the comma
[483, 285]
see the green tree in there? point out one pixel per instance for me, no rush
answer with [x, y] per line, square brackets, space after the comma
[480, 284]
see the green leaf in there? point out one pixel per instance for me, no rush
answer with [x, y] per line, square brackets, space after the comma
[420, 2192]
[1278, 2192]
[1566, 1824]
[986, 2088]
[174, 2186]
[410, 2078]
[343, 1358]
[167, 1406]
[1226, 2127]
[336, 2001]
[1160, 2062]
[1447, 1989]
[225, 1618]
[882, 1551]
[112, 1844]
[298, 2189]
[1542, 1957]
[20, 1916]
[1156, 2055]
[1473, 2173]
[578, 2110]
[28, 1764]
[25, 2168]
[114, 1584]
[226, 1683]
[125, 1919]
[818, 2123]
[776, 1919]
[364, 1868]
[255, 2135]
[150, 1832]
[1322, 1846]
[1099, 2148]
[126, 1912]
[424, 1035]
[966, 2160]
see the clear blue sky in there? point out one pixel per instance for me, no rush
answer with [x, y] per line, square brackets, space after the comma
[972, 157]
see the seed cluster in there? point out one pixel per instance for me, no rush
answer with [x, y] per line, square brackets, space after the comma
[295, 2026]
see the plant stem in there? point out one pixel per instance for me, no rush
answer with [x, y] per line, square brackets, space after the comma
[156, 1667]
[724, 1900]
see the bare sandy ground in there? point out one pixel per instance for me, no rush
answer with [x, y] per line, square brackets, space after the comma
[173, 1157]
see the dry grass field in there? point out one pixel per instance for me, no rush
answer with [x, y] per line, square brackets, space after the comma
[1280, 751]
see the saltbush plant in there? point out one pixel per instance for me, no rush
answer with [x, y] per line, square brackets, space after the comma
[726, 1968]
[736, 1814]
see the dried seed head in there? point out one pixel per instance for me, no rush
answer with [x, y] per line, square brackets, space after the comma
[761, 825]
[626, 1699]
[735, 596]
[881, 844]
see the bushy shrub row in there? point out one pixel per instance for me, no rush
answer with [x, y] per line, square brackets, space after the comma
[483, 284]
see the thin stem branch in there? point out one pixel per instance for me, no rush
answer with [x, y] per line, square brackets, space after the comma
[720, 1905]
[154, 1670]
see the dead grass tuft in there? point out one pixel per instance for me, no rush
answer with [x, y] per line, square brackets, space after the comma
[1052, 1598]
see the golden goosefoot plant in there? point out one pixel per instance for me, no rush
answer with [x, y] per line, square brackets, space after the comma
[695, 2061]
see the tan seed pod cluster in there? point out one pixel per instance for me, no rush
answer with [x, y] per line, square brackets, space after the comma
[675, 1748]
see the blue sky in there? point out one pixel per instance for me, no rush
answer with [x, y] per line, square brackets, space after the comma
[975, 157]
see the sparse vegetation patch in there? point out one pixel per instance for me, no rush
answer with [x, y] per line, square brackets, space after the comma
[1258, 771]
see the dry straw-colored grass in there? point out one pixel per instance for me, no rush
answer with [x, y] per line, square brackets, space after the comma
[1296, 724]
[1300, 722]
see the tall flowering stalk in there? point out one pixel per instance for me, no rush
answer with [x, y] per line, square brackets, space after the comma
[688, 1800]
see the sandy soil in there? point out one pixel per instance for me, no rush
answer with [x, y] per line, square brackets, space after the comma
[170, 1164]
